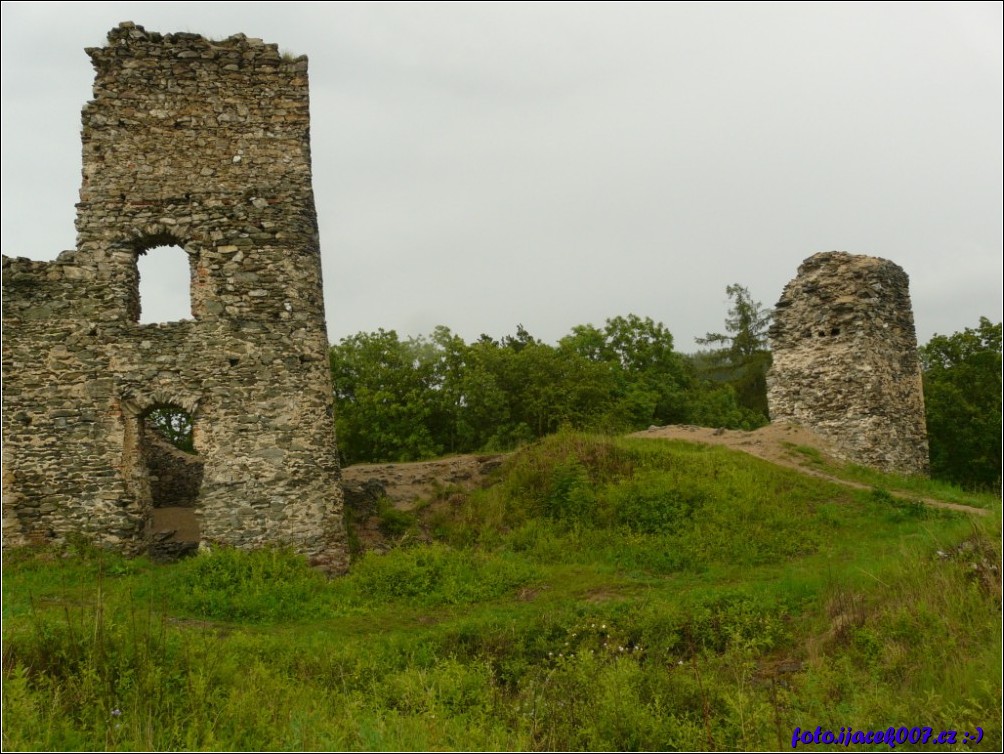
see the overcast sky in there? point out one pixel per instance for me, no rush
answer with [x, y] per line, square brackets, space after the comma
[485, 165]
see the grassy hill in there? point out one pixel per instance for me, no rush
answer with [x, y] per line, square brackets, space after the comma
[616, 594]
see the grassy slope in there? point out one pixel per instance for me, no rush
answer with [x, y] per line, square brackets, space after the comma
[900, 484]
[604, 594]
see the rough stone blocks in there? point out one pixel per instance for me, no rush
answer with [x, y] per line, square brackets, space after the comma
[205, 145]
[845, 360]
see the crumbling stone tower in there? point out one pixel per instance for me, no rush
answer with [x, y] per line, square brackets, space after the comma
[845, 360]
[205, 145]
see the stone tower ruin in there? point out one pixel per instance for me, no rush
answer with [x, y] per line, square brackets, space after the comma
[205, 145]
[845, 361]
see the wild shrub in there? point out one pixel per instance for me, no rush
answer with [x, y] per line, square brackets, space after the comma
[259, 585]
[655, 502]
[393, 522]
[437, 574]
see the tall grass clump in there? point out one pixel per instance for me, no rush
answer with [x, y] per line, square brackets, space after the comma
[435, 575]
[915, 642]
[108, 675]
[256, 586]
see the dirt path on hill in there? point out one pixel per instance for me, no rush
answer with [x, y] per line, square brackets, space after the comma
[773, 443]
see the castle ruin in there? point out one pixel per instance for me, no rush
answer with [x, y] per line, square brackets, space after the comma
[204, 145]
[845, 361]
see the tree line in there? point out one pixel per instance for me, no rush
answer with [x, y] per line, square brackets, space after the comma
[406, 399]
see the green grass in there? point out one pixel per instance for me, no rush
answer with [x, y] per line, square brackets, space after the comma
[603, 594]
[901, 484]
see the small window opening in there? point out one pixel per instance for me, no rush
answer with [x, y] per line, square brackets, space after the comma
[175, 472]
[165, 284]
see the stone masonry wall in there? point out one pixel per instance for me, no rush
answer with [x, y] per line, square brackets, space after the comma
[205, 145]
[175, 476]
[845, 360]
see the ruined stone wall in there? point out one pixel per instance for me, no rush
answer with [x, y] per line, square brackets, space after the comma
[204, 145]
[175, 476]
[845, 360]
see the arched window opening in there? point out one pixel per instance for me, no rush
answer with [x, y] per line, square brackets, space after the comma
[174, 471]
[165, 284]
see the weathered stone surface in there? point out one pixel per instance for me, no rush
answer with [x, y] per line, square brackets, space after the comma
[204, 145]
[176, 476]
[845, 360]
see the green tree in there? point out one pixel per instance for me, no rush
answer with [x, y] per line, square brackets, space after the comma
[650, 378]
[962, 397]
[384, 395]
[441, 359]
[399, 400]
[404, 400]
[545, 387]
[485, 422]
[742, 357]
[172, 423]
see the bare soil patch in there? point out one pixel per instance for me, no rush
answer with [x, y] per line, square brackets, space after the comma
[771, 443]
[406, 484]
[371, 487]
[181, 521]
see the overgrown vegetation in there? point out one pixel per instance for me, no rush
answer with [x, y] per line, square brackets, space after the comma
[602, 594]
[904, 485]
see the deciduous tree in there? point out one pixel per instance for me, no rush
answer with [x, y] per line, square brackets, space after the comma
[962, 397]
